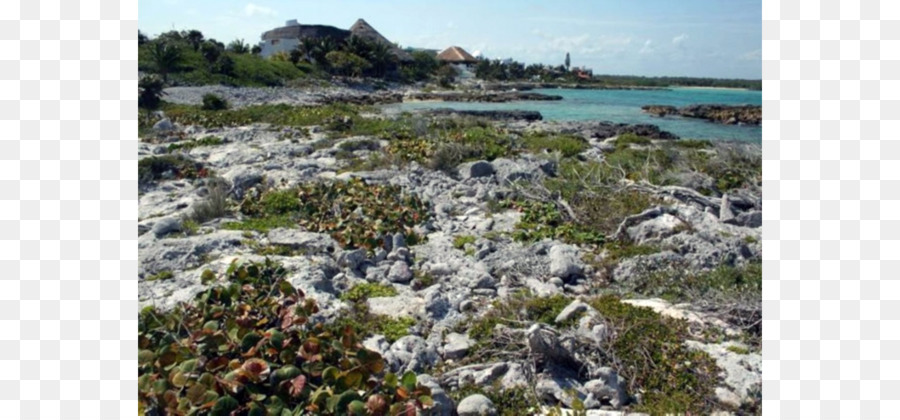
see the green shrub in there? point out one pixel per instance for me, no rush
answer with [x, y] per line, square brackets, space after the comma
[461, 241]
[627, 139]
[213, 102]
[648, 349]
[567, 145]
[545, 221]
[261, 224]
[247, 348]
[278, 115]
[693, 144]
[363, 291]
[150, 92]
[162, 275]
[156, 168]
[354, 213]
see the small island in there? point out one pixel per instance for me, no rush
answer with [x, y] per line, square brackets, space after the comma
[722, 114]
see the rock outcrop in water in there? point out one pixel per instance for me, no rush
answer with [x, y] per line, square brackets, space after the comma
[722, 114]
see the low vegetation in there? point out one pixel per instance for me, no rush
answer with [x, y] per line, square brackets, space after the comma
[190, 144]
[247, 348]
[363, 291]
[354, 213]
[157, 168]
[648, 350]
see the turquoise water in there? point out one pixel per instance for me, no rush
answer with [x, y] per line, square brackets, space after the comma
[624, 106]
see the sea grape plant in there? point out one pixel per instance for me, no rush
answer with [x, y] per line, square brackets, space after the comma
[355, 213]
[247, 346]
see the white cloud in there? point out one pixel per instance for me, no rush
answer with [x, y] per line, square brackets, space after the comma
[754, 55]
[647, 48]
[252, 9]
[678, 40]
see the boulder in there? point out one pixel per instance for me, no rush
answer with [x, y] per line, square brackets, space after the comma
[751, 219]
[476, 169]
[564, 262]
[725, 212]
[476, 405]
[607, 389]
[558, 386]
[166, 226]
[573, 310]
[457, 346]
[352, 259]
[242, 179]
[400, 273]
[163, 125]
[544, 345]
[443, 405]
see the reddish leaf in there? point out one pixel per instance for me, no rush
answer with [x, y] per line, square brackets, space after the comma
[297, 385]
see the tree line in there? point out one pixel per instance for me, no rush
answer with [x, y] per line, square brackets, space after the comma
[187, 57]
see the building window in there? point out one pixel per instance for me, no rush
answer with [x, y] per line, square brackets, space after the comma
[275, 42]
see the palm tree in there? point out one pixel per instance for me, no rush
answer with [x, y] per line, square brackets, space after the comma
[381, 57]
[322, 48]
[239, 47]
[195, 38]
[166, 58]
[308, 45]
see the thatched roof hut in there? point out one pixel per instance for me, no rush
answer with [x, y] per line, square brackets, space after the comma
[363, 30]
[456, 55]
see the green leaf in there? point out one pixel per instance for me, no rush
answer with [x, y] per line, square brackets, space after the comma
[409, 380]
[390, 379]
[357, 408]
[330, 373]
[249, 341]
[224, 406]
[146, 357]
[286, 373]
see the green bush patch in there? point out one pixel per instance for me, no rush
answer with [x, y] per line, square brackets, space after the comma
[354, 213]
[363, 291]
[247, 348]
[157, 168]
[648, 350]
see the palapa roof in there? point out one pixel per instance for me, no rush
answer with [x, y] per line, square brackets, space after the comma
[456, 54]
[363, 30]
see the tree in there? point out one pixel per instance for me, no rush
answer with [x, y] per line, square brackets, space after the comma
[568, 62]
[210, 52]
[195, 38]
[422, 66]
[308, 46]
[224, 65]
[142, 39]
[322, 48]
[150, 92]
[256, 50]
[347, 64]
[238, 47]
[166, 58]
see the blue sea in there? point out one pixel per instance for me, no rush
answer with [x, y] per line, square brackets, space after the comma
[624, 106]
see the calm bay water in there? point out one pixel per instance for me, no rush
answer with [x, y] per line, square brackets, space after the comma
[624, 106]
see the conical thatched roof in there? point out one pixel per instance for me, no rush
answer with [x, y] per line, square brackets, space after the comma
[456, 55]
[363, 30]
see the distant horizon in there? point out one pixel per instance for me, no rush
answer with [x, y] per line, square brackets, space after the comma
[696, 38]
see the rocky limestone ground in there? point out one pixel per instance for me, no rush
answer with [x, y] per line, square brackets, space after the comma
[464, 265]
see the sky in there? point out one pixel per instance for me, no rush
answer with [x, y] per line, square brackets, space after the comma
[695, 38]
